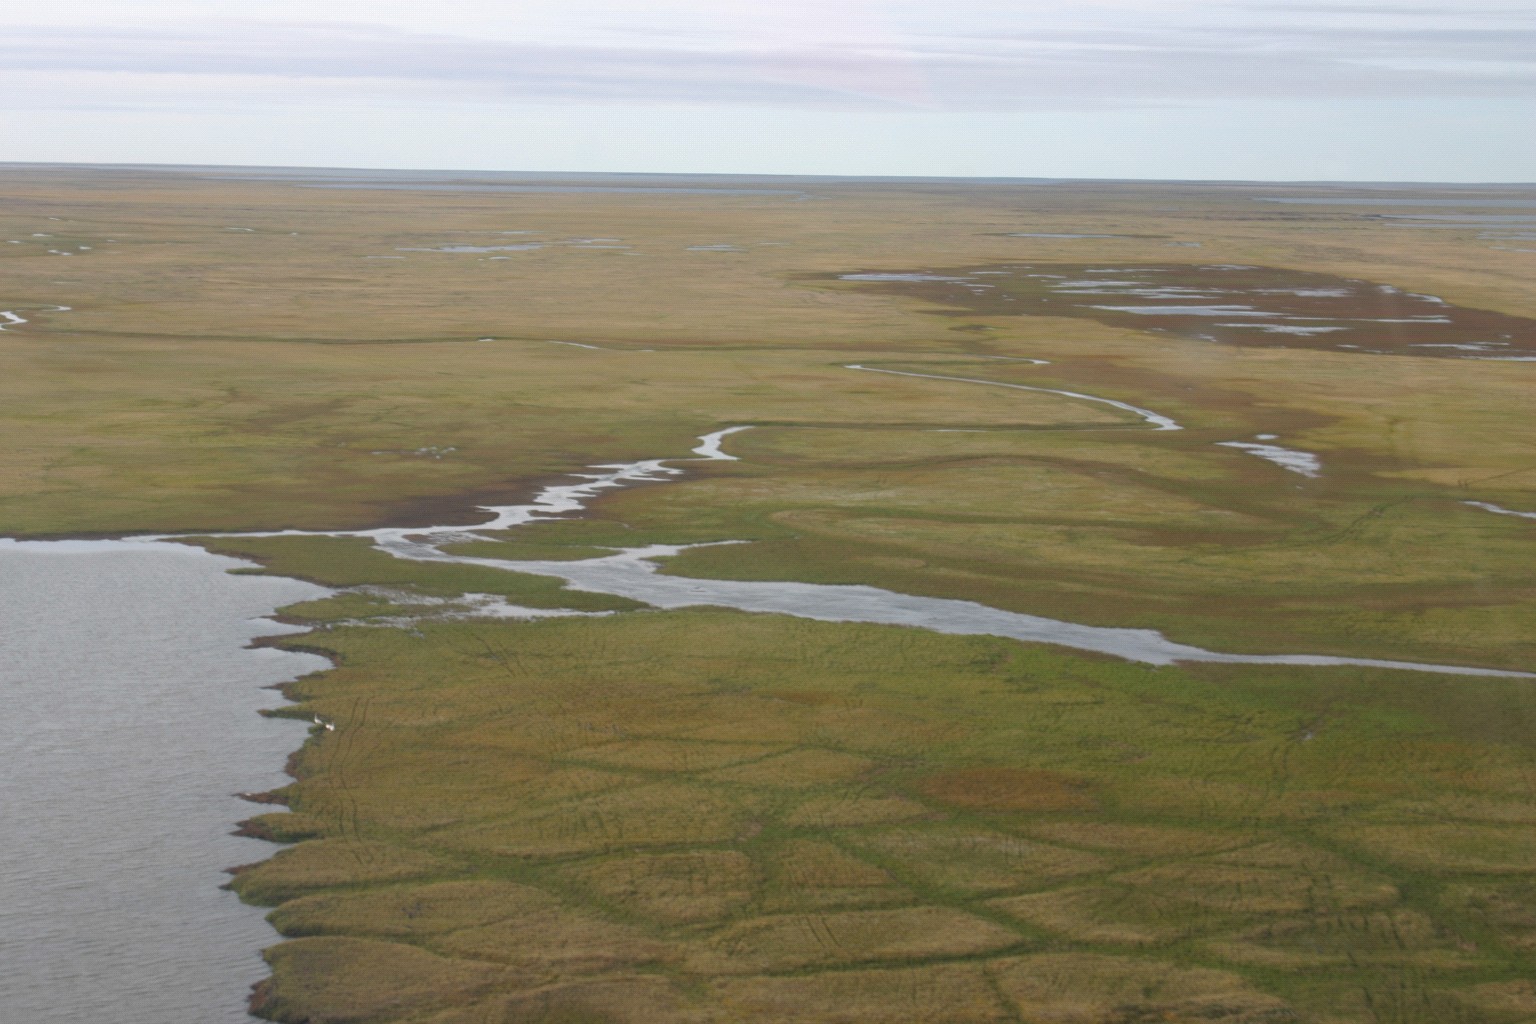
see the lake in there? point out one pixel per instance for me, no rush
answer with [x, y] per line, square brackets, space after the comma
[131, 721]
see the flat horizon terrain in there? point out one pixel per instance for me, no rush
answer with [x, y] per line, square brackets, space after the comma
[1262, 419]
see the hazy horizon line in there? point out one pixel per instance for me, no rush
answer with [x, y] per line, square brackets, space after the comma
[737, 175]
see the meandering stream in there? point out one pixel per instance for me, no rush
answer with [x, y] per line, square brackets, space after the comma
[1158, 420]
[12, 317]
[634, 573]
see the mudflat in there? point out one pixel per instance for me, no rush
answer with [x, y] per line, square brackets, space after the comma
[709, 815]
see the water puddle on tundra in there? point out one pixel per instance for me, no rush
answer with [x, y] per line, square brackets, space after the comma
[1230, 304]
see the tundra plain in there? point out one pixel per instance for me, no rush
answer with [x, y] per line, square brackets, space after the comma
[710, 816]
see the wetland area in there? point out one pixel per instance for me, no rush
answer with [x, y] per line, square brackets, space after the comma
[881, 603]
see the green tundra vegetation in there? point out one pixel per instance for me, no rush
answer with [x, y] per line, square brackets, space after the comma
[710, 816]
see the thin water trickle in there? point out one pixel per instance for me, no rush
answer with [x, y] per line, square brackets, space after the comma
[1158, 420]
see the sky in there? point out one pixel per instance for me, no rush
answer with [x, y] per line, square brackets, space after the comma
[1188, 89]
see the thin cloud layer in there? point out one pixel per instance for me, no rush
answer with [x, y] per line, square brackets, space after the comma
[1107, 55]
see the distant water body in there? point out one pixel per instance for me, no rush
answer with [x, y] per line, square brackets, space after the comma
[130, 723]
[1397, 201]
[393, 186]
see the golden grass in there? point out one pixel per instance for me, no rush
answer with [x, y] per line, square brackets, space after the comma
[695, 886]
[812, 874]
[818, 873]
[777, 943]
[936, 994]
[346, 979]
[1068, 988]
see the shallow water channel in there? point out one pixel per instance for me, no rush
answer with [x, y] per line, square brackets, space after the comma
[635, 573]
[131, 721]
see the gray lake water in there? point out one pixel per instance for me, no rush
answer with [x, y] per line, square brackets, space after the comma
[130, 723]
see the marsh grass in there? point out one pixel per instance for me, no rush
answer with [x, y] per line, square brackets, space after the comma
[719, 804]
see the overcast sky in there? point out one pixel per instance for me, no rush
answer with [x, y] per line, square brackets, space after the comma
[1268, 89]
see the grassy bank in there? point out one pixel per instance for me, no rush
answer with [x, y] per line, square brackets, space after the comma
[719, 817]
